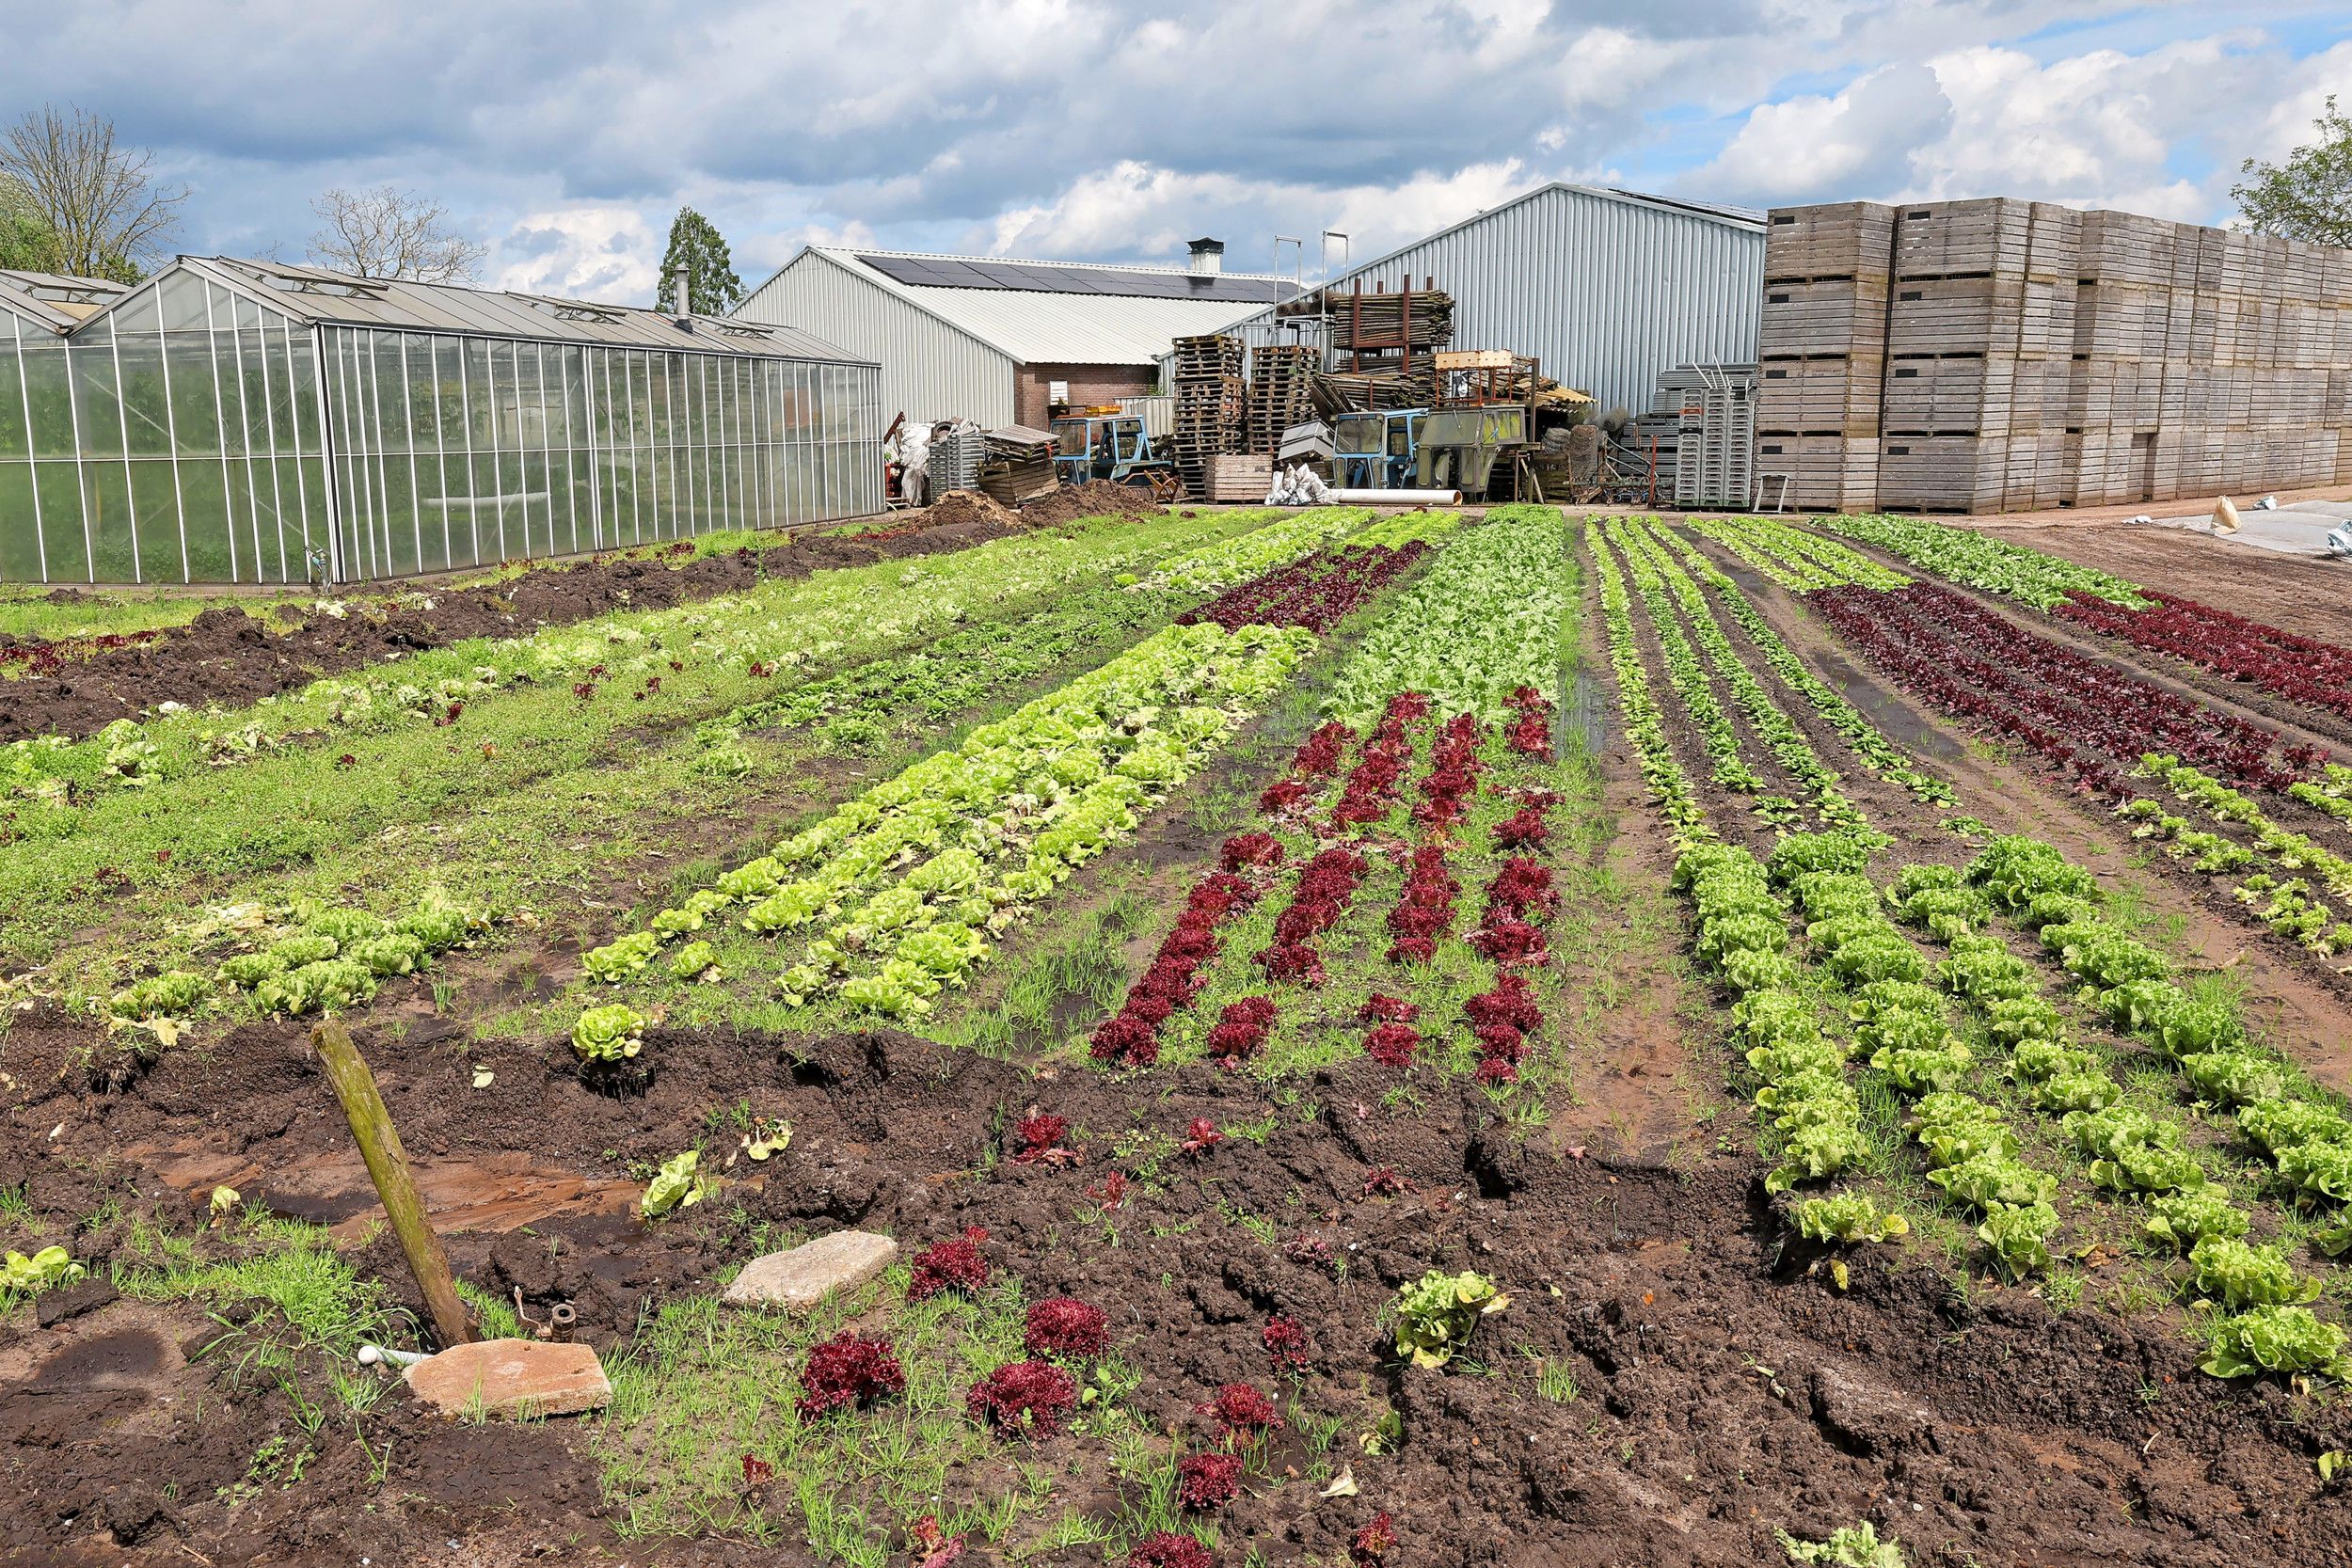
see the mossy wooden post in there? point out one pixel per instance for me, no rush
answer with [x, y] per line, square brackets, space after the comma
[379, 1144]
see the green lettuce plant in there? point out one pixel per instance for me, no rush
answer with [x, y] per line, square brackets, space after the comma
[1437, 1314]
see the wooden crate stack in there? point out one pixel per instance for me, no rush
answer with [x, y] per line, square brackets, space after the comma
[1825, 344]
[1209, 397]
[1281, 376]
[2026, 355]
[1979, 346]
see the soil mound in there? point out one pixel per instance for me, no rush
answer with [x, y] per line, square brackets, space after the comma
[1096, 498]
[958, 507]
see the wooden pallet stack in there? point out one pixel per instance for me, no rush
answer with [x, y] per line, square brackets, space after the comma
[1210, 406]
[2026, 356]
[1826, 272]
[1281, 379]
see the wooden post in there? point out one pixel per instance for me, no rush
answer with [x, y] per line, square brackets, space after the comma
[379, 1144]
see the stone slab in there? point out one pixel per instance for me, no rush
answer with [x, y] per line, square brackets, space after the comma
[510, 1377]
[806, 1275]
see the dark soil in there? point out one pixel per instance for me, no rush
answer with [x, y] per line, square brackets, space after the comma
[1719, 1394]
[1096, 498]
[226, 657]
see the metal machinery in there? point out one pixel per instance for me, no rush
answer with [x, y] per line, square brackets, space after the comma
[1114, 447]
[1459, 446]
[1377, 451]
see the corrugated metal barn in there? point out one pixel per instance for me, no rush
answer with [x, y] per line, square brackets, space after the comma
[1606, 288]
[986, 338]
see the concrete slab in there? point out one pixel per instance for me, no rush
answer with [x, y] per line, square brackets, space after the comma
[510, 1378]
[801, 1277]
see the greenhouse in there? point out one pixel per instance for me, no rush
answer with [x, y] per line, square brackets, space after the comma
[234, 422]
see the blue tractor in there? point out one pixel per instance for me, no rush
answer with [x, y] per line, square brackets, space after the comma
[1113, 447]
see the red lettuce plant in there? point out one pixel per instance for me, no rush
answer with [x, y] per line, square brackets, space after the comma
[1169, 1549]
[1207, 1481]
[1242, 1414]
[1241, 1028]
[955, 1264]
[1024, 1398]
[1325, 886]
[1384, 1181]
[935, 1547]
[1380, 1008]
[1380, 765]
[1452, 776]
[1372, 1541]
[1522, 830]
[758, 1472]
[1425, 911]
[1530, 733]
[1522, 887]
[1392, 1044]
[848, 1370]
[1041, 1133]
[1132, 1038]
[1251, 851]
[1286, 1343]
[1200, 1136]
[1312, 1252]
[1064, 1325]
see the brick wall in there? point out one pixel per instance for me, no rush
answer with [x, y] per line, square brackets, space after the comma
[1033, 383]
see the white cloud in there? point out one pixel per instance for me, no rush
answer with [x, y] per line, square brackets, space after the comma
[589, 252]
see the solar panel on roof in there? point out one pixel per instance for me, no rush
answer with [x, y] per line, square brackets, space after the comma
[940, 271]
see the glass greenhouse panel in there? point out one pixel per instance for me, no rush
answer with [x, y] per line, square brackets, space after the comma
[189, 432]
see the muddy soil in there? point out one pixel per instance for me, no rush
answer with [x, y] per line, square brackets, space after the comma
[227, 656]
[1720, 1392]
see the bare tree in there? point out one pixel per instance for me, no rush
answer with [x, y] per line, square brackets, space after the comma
[389, 233]
[109, 216]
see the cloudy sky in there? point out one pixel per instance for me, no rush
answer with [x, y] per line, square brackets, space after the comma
[565, 137]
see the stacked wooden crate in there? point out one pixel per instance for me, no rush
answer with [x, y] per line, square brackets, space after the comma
[2026, 356]
[1979, 343]
[1823, 343]
[1210, 402]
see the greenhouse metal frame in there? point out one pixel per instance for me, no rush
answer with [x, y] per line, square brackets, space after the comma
[232, 421]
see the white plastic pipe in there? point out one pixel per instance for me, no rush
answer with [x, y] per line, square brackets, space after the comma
[1398, 497]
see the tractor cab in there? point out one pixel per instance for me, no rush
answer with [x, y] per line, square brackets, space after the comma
[1377, 450]
[1096, 445]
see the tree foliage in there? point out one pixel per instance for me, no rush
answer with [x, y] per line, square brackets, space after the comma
[389, 233]
[104, 211]
[695, 245]
[28, 243]
[2308, 196]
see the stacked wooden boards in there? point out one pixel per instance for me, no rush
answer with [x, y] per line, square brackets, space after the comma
[2005, 355]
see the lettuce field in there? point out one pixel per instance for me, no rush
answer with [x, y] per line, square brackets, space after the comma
[1381, 1040]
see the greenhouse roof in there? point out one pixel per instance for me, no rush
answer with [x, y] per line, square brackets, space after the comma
[315, 295]
[59, 303]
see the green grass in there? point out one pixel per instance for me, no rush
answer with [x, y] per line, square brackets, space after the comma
[704, 1385]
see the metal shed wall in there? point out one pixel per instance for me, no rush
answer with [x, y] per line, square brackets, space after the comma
[1606, 290]
[929, 370]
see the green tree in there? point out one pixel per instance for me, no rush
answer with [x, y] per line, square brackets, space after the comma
[28, 243]
[2310, 195]
[695, 245]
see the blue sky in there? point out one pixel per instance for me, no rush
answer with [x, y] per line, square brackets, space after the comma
[564, 137]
